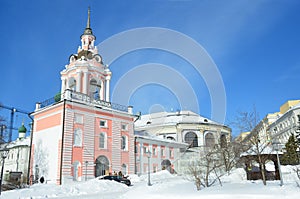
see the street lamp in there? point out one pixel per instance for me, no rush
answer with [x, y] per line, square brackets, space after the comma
[148, 153]
[4, 153]
[86, 165]
[276, 145]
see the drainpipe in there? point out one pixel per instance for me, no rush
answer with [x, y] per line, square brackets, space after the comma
[62, 142]
[30, 148]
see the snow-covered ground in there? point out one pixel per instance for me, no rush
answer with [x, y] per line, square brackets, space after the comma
[165, 185]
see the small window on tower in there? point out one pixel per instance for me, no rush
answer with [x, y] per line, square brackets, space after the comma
[124, 127]
[103, 123]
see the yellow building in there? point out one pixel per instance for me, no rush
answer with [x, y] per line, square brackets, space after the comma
[288, 105]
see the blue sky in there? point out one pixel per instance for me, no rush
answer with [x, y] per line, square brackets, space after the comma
[254, 44]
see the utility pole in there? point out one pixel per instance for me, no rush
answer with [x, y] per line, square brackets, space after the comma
[12, 113]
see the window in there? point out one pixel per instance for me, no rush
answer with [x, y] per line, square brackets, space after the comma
[223, 141]
[124, 127]
[170, 138]
[102, 140]
[124, 146]
[154, 168]
[145, 149]
[78, 119]
[72, 84]
[77, 137]
[154, 151]
[209, 140]
[171, 153]
[191, 138]
[103, 123]
[95, 88]
[162, 152]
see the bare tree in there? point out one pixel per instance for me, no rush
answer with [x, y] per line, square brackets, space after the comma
[227, 156]
[245, 121]
[259, 150]
[41, 156]
[207, 170]
[297, 171]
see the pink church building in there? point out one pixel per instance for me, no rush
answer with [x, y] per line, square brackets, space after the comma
[80, 134]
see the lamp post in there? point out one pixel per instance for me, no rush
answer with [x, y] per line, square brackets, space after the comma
[86, 164]
[148, 156]
[4, 153]
[276, 146]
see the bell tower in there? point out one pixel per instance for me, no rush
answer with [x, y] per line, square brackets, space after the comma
[86, 74]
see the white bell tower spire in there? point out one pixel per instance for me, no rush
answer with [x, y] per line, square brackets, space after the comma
[86, 74]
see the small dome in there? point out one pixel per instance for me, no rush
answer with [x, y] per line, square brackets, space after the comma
[22, 129]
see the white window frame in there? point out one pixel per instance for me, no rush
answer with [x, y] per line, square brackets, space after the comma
[105, 123]
[78, 119]
[124, 147]
[77, 137]
[124, 127]
[104, 141]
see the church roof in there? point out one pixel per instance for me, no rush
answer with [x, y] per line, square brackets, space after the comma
[88, 29]
[22, 129]
[172, 118]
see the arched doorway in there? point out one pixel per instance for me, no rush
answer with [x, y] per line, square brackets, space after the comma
[166, 165]
[102, 166]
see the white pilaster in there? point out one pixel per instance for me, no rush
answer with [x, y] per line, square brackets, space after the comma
[85, 82]
[78, 87]
[107, 85]
[63, 84]
[101, 91]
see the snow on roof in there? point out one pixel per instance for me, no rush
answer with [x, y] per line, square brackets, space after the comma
[17, 142]
[262, 149]
[172, 118]
[145, 135]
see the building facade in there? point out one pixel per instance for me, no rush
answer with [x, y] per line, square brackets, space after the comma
[79, 134]
[199, 133]
[17, 160]
[185, 127]
[280, 125]
[287, 123]
[261, 131]
[164, 154]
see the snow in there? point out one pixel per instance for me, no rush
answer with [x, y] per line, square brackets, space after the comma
[165, 185]
[171, 118]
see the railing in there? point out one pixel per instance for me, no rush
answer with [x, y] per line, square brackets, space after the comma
[47, 102]
[83, 98]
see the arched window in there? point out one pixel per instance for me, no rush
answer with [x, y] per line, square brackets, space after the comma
[102, 141]
[124, 145]
[170, 138]
[209, 140]
[72, 84]
[191, 138]
[78, 137]
[223, 141]
[95, 89]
